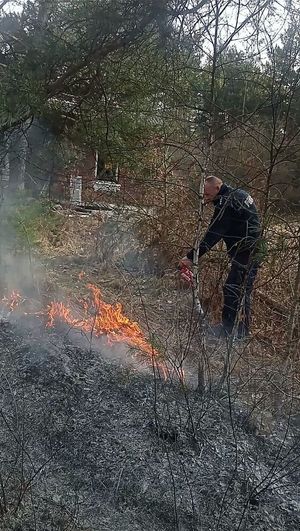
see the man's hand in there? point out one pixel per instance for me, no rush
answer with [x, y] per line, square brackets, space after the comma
[186, 262]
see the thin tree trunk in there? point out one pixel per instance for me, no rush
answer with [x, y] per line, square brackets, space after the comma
[197, 307]
[292, 342]
[4, 166]
[17, 161]
[210, 141]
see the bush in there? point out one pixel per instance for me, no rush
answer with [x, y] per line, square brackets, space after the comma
[36, 224]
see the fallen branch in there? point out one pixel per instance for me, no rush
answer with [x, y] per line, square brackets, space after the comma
[274, 305]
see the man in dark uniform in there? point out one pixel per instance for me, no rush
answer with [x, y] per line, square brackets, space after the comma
[236, 221]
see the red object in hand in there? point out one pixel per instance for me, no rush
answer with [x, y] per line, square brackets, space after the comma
[186, 274]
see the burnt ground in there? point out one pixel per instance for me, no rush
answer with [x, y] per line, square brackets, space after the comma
[88, 444]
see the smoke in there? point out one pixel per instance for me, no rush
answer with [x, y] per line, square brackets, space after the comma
[119, 244]
[22, 271]
[19, 267]
[116, 352]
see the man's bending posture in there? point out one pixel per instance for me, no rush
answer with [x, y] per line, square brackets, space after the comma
[236, 221]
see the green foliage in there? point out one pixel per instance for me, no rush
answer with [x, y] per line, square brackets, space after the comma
[35, 223]
[54, 50]
[120, 77]
[261, 252]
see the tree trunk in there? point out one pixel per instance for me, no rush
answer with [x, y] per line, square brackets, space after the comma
[17, 161]
[4, 166]
[292, 341]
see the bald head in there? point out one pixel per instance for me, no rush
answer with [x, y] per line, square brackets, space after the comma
[212, 187]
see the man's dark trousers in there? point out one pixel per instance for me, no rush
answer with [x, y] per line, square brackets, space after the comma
[237, 290]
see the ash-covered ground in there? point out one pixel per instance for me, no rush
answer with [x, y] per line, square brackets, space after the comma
[87, 444]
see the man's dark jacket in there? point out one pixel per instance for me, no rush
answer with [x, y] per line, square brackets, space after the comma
[235, 220]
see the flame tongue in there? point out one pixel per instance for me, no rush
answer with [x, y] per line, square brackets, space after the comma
[106, 319]
[13, 301]
[95, 317]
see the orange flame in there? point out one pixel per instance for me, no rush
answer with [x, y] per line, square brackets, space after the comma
[104, 318]
[97, 318]
[13, 301]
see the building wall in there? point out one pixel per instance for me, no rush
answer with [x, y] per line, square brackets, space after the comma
[126, 189]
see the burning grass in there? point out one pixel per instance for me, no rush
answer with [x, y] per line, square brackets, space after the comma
[101, 318]
[94, 317]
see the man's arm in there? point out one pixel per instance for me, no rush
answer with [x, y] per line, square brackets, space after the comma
[217, 229]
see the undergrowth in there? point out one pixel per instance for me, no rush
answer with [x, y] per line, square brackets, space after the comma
[36, 224]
